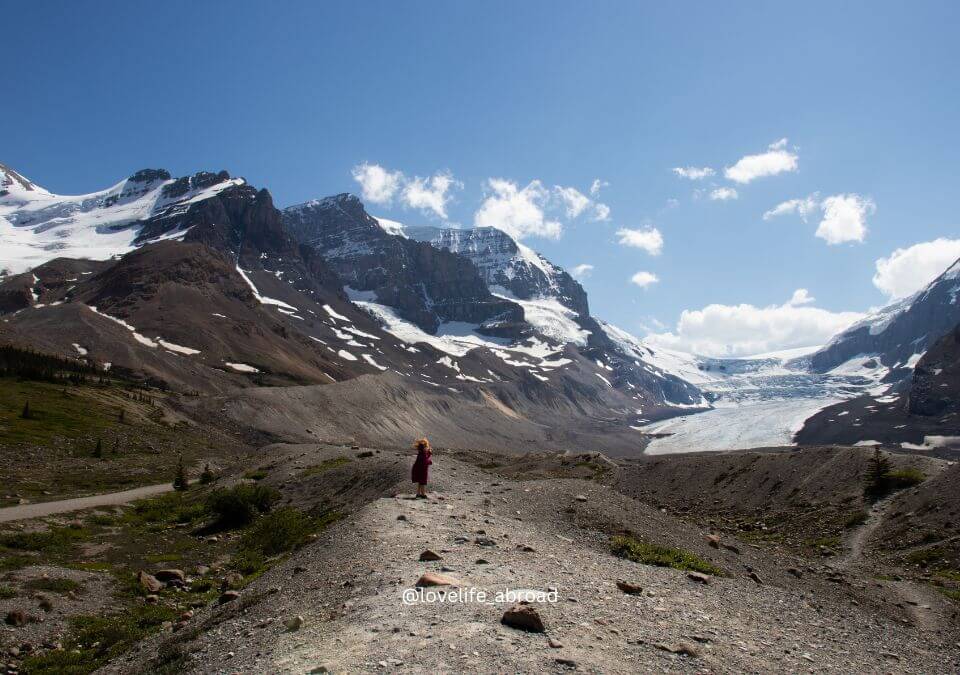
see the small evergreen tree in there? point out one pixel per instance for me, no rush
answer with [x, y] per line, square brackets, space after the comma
[26, 411]
[207, 476]
[98, 451]
[878, 476]
[180, 482]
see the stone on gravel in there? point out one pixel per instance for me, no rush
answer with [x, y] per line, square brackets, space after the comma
[699, 577]
[294, 623]
[523, 617]
[231, 581]
[434, 579]
[554, 643]
[169, 575]
[152, 599]
[149, 582]
[684, 648]
[429, 555]
[581, 498]
[756, 578]
[713, 540]
[16, 618]
[629, 589]
[794, 572]
[228, 596]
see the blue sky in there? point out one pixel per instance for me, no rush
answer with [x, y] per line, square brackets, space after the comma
[296, 96]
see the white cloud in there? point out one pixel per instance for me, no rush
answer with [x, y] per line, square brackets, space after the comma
[582, 271]
[517, 211]
[723, 194]
[907, 270]
[430, 194]
[596, 186]
[649, 239]
[845, 218]
[574, 201]
[742, 330]
[693, 172]
[377, 184]
[644, 279]
[801, 297]
[803, 207]
[601, 212]
[777, 159]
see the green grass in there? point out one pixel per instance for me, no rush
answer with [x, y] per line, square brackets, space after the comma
[240, 505]
[661, 556]
[94, 640]
[855, 519]
[905, 478]
[952, 593]
[163, 557]
[54, 540]
[6, 592]
[323, 466]
[52, 414]
[830, 542]
[927, 556]
[54, 585]
[255, 474]
[168, 509]
[15, 562]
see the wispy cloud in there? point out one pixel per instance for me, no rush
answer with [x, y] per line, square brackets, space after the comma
[723, 194]
[693, 172]
[777, 159]
[379, 185]
[596, 186]
[644, 279]
[804, 207]
[648, 239]
[582, 271]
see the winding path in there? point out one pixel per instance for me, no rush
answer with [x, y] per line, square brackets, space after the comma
[41, 509]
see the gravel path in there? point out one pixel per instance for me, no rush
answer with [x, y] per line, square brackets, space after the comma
[41, 509]
[348, 588]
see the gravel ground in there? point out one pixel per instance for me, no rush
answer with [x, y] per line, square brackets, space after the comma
[348, 588]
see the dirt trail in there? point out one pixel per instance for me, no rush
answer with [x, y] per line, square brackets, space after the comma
[41, 509]
[495, 536]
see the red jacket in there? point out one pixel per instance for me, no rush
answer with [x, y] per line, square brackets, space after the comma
[421, 468]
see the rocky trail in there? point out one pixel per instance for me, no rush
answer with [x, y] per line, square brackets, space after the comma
[43, 509]
[338, 604]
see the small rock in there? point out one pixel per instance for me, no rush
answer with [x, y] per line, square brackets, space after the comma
[45, 603]
[228, 596]
[169, 575]
[629, 589]
[713, 540]
[554, 643]
[699, 577]
[484, 541]
[581, 498]
[186, 616]
[731, 548]
[232, 580]
[569, 663]
[401, 517]
[523, 617]
[429, 555]
[434, 579]
[202, 570]
[684, 648]
[794, 572]
[316, 670]
[294, 623]
[481, 561]
[756, 578]
[152, 599]
[16, 618]
[527, 549]
[149, 582]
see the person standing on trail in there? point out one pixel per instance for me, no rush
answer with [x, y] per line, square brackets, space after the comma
[421, 467]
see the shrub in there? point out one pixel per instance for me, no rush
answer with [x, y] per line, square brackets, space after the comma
[905, 478]
[57, 539]
[661, 556]
[255, 474]
[881, 480]
[325, 465]
[180, 481]
[247, 562]
[855, 519]
[239, 505]
[207, 476]
[6, 592]
[283, 530]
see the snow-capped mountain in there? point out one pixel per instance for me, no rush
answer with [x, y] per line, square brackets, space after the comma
[37, 225]
[895, 337]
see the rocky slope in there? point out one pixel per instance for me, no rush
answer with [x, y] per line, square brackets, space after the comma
[898, 335]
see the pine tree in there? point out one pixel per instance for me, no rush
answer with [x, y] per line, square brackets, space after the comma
[98, 451]
[207, 476]
[26, 411]
[180, 479]
[878, 476]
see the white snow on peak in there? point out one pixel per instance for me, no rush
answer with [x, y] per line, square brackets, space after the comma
[549, 317]
[263, 300]
[37, 225]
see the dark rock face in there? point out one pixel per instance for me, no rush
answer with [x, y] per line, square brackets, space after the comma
[197, 181]
[149, 175]
[935, 389]
[907, 328]
[426, 286]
